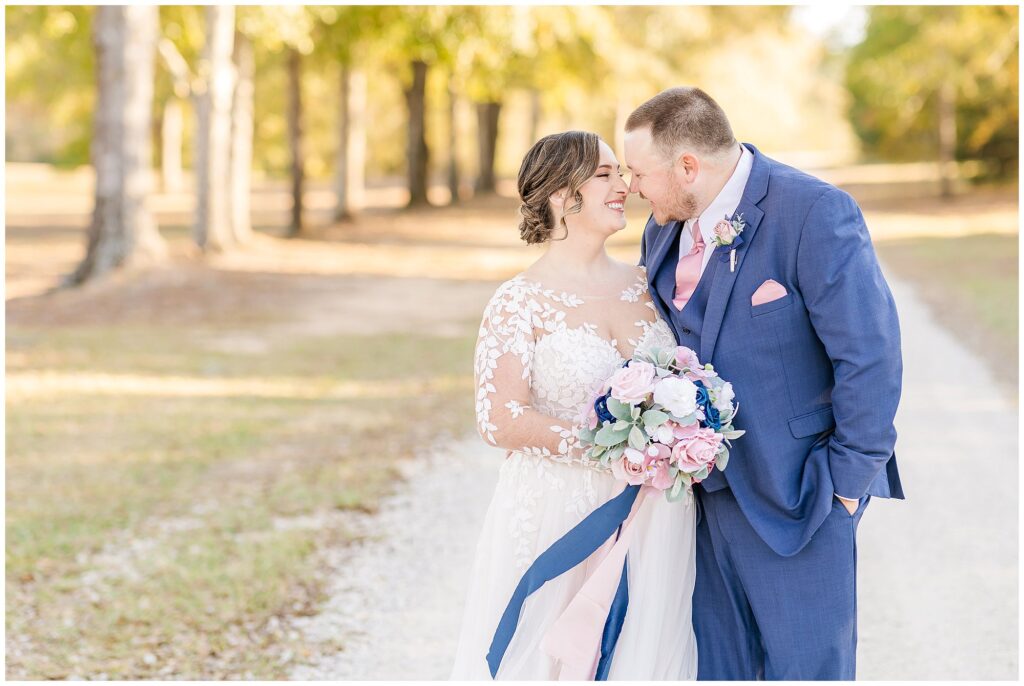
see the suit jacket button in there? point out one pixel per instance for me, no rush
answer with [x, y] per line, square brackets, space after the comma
[687, 331]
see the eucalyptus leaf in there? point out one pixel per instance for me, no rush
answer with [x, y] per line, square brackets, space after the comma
[637, 438]
[722, 460]
[674, 496]
[615, 452]
[687, 420]
[654, 419]
[618, 409]
[608, 436]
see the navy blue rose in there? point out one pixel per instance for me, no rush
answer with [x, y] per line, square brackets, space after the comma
[713, 418]
[702, 395]
[601, 407]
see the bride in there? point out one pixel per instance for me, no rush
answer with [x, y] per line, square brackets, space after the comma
[550, 337]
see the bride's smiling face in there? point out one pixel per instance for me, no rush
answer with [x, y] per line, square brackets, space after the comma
[604, 198]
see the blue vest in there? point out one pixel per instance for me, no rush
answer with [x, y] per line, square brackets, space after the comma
[688, 322]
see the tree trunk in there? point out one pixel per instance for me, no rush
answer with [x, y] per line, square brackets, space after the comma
[487, 141]
[172, 123]
[351, 160]
[122, 231]
[453, 153]
[416, 151]
[213, 139]
[241, 140]
[947, 138]
[171, 128]
[295, 138]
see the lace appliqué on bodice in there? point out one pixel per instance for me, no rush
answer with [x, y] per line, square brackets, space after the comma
[540, 361]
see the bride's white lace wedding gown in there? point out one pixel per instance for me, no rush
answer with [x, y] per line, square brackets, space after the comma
[539, 360]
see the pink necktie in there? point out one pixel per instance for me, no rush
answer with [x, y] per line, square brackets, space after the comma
[688, 270]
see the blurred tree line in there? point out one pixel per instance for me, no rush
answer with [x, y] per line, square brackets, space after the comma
[938, 82]
[351, 92]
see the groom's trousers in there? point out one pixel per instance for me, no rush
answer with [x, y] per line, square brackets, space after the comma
[759, 615]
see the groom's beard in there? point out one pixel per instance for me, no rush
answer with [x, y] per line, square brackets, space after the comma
[683, 206]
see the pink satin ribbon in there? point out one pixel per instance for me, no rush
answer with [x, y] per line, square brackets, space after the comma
[575, 637]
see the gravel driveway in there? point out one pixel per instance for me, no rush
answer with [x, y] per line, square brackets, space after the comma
[937, 573]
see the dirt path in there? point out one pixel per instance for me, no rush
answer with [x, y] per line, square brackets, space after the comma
[396, 598]
[937, 572]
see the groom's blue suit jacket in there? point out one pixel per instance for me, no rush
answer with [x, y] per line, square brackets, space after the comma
[817, 373]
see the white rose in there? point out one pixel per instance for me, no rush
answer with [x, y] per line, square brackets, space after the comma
[678, 396]
[723, 397]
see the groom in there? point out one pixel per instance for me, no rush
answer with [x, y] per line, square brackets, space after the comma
[769, 274]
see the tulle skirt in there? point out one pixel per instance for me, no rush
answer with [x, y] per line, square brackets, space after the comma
[535, 503]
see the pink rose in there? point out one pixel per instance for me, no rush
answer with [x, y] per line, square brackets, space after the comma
[725, 232]
[634, 383]
[691, 456]
[633, 473]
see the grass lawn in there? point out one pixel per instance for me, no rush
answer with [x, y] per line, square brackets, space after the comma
[970, 284]
[148, 521]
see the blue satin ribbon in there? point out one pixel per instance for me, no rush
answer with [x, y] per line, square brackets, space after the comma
[570, 550]
[613, 625]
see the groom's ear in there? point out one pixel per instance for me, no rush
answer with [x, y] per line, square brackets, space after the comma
[687, 166]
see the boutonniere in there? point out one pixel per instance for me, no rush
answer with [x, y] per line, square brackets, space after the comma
[727, 235]
[727, 231]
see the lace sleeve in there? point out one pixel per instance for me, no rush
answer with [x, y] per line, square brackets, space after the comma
[504, 355]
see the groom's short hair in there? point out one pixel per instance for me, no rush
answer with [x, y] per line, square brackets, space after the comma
[684, 116]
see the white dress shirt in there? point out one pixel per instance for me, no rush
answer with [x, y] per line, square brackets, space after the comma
[723, 206]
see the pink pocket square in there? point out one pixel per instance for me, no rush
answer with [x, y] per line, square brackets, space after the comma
[767, 292]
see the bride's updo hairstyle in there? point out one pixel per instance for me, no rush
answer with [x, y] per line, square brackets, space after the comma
[561, 160]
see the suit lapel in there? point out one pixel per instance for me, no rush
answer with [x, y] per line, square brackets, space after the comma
[724, 280]
[666, 238]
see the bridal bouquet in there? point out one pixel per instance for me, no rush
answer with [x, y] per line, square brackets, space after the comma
[662, 420]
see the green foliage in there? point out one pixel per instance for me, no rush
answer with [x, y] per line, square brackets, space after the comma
[909, 52]
[50, 83]
[588, 64]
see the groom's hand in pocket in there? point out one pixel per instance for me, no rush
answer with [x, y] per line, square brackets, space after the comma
[850, 505]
